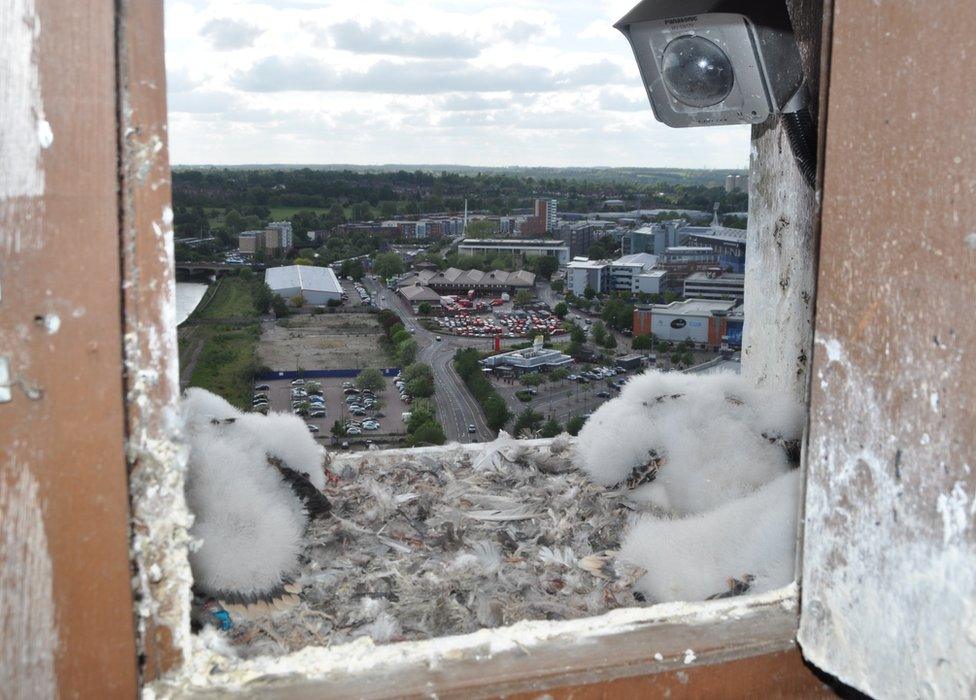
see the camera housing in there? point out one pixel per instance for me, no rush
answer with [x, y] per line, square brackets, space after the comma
[715, 62]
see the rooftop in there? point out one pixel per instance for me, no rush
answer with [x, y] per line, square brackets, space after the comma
[693, 307]
[645, 259]
[306, 277]
[521, 242]
[730, 277]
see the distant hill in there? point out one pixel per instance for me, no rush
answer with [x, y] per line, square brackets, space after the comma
[634, 176]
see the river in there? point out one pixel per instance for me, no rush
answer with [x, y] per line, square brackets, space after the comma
[188, 295]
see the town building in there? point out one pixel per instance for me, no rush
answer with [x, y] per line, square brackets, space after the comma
[625, 271]
[530, 247]
[416, 294]
[250, 242]
[621, 275]
[716, 284]
[545, 209]
[318, 285]
[583, 273]
[534, 359]
[456, 281]
[701, 321]
[735, 183]
[652, 282]
[285, 239]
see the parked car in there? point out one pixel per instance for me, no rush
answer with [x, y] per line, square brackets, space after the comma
[262, 387]
[603, 394]
[437, 338]
[317, 413]
[371, 426]
[297, 382]
[357, 412]
[345, 444]
[312, 428]
[472, 429]
[354, 431]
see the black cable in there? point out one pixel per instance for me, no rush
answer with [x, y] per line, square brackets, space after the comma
[803, 140]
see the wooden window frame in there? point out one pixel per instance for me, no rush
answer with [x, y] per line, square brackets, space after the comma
[95, 317]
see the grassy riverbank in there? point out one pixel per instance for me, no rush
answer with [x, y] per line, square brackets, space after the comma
[220, 355]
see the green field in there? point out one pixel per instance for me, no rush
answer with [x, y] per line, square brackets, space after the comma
[232, 300]
[224, 353]
[226, 364]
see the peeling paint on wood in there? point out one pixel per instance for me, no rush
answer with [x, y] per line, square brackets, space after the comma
[65, 598]
[26, 599]
[24, 132]
[889, 561]
[157, 458]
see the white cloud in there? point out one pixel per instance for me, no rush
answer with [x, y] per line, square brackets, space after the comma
[480, 82]
[230, 34]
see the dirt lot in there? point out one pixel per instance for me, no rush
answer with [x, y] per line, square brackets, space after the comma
[324, 341]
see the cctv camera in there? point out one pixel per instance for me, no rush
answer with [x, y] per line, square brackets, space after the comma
[707, 62]
[718, 62]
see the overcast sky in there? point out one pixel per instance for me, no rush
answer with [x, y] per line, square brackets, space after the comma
[471, 82]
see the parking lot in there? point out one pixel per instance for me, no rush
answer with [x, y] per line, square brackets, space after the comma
[563, 398]
[390, 406]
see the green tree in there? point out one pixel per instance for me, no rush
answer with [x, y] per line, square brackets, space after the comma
[599, 333]
[561, 309]
[352, 268]
[387, 265]
[528, 421]
[663, 346]
[424, 308]
[642, 342]
[496, 412]
[546, 265]
[406, 352]
[429, 433]
[371, 379]
[479, 228]
[297, 301]
[589, 293]
[338, 431]
[550, 428]
[263, 297]
[279, 306]
[523, 297]
[233, 222]
[688, 359]
[611, 341]
[558, 285]
[421, 387]
[577, 334]
[575, 424]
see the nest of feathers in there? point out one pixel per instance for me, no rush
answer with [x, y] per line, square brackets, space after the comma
[683, 488]
[428, 543]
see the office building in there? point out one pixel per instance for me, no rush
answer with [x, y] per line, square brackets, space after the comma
[715, 284]
[284, 237]
[531, 247]
[545, 209]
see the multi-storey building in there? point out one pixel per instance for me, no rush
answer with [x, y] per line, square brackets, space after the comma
[250, 242]
[545, 209]
[284, 237]
[715, 284]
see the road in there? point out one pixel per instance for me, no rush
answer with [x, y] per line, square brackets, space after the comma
[456, 408]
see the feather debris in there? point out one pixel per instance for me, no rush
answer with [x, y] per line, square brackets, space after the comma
[484, 539]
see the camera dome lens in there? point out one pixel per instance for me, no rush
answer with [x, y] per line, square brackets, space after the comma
[696, 71]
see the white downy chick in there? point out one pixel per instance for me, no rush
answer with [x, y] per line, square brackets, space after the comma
[250, 512]
[748, 544]
[689, 443]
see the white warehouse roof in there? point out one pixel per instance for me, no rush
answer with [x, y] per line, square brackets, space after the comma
[304, 277]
